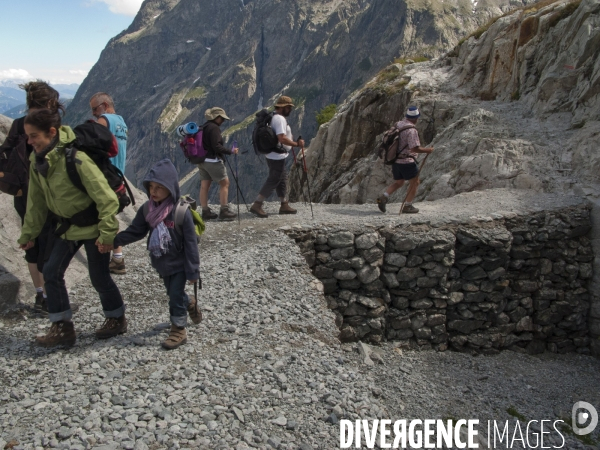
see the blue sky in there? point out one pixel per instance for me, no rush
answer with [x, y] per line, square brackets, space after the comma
[58, 40]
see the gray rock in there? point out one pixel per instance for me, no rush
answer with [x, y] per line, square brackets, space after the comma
[368, 274]
[395, 259]
[341, 239]
[344, 274]
[366, 240]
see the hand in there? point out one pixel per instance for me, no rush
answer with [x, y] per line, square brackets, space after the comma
[430, 150]
[235, 150]
[27, 246]
[103, 248]
[192, 281]
[301, 143]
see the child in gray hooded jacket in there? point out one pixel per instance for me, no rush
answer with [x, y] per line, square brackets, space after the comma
[173, 254]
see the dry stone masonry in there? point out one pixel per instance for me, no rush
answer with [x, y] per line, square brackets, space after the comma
[510, 282]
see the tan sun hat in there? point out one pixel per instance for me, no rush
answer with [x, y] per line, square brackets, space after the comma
[283, 101]
[213, 113]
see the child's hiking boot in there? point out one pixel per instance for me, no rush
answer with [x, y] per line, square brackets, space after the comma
[112, 327]
[117, 265]
[194, 311]
[207, 214]
[285, 208]
[226, 215]
[381, 202]
[60, 333]
[257, 210]
[409, 209]
[177, 337]
[40, 307]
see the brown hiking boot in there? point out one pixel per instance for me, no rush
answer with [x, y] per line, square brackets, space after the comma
[409, 209]
[177, 337]
[60, 333]
[257, 210]
[285, 208]
[226, 215]
[381, 202]
[117, 265]
[207, 214]
[112, 327]
[194, 311]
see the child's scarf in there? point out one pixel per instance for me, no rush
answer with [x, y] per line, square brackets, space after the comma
[160, 239]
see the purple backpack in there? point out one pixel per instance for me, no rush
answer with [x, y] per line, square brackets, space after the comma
[193, 149]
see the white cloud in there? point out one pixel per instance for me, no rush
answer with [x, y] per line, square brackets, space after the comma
[83, 73]
[15, 74]
[125, 7]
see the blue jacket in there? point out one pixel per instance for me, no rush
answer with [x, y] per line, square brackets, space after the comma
[183, 255]
[117, 126]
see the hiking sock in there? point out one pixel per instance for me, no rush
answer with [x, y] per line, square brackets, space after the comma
[386, 195]
[39, 290]
[408, 203]
[118, 255]
[44, 295]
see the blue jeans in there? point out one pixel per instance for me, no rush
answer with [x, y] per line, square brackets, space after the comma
[54, 277]
[178, 299]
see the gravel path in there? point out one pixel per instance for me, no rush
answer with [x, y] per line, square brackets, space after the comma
[264, 369]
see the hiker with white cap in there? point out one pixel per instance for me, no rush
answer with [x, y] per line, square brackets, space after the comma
[405, 167]
[277, 179]
[213, 168]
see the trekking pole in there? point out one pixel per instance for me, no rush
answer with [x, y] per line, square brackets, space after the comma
[418, 173]
[307, 179]
[237, 184]
[299, 177]
[237, 191]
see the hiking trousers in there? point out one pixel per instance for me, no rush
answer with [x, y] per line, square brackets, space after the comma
[277, 179]
[178, 299]
[63, 252]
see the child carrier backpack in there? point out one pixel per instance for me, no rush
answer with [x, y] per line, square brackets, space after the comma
[388, 149]
[99, 144]
[14, 161]
[192, 147]
[264, 139]
[184, 203]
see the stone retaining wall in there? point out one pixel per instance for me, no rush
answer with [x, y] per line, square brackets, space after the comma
[513, 282]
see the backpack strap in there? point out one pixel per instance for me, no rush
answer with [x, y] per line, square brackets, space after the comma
[146, 208]
[179, 215]
[400, 130]
[70, 157]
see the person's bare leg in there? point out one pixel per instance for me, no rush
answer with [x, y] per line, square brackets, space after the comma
[36, 277]
[204, 187]
[413, 186]
[224, 191]
[394, 187]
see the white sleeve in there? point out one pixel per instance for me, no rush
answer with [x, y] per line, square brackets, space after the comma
[279, 125]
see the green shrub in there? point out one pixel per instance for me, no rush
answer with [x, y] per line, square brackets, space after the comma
[365, 64]
[326, 114]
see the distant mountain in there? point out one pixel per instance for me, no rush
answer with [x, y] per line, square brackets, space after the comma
[20, 110]
[11, 96]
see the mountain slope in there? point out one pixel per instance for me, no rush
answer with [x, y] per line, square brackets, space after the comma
[180, 57]
[515, 106]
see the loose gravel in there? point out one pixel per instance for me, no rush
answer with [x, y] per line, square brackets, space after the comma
[264, 369]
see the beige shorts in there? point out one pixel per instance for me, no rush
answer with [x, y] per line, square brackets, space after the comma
[212, 171]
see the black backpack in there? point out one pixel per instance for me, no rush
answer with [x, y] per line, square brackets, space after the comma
[14, 161]
[99, 144]
[264, 138]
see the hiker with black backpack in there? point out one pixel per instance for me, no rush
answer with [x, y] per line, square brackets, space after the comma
[406, 148]
[14, 179]
[213, 167]
[83, 218]
[173, 246]
[103, 109]
[274, 127]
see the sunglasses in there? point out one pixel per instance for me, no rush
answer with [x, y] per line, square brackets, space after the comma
[97, 106]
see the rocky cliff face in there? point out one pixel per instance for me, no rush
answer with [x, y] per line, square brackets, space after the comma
[181, 56]
[518, 106]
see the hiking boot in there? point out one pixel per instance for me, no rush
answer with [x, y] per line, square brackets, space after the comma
[285, 208]
[226, 215]
[409, 209]
[60, 333]
[117, 265]
[194, 311]
[207, 214]
[381, 202]
[257, 210]
[177, 337]
[41, 306]
[112, 327]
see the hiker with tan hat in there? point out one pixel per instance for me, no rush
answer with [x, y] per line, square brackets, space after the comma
[213, 168]
[277, 179]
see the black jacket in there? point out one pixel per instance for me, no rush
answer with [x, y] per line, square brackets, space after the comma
[213, 141]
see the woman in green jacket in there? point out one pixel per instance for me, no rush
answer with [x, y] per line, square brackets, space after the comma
[51, 190]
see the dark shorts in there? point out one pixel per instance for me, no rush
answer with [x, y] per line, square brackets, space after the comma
[405, 171]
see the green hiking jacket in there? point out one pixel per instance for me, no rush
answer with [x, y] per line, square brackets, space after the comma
[57, 194]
